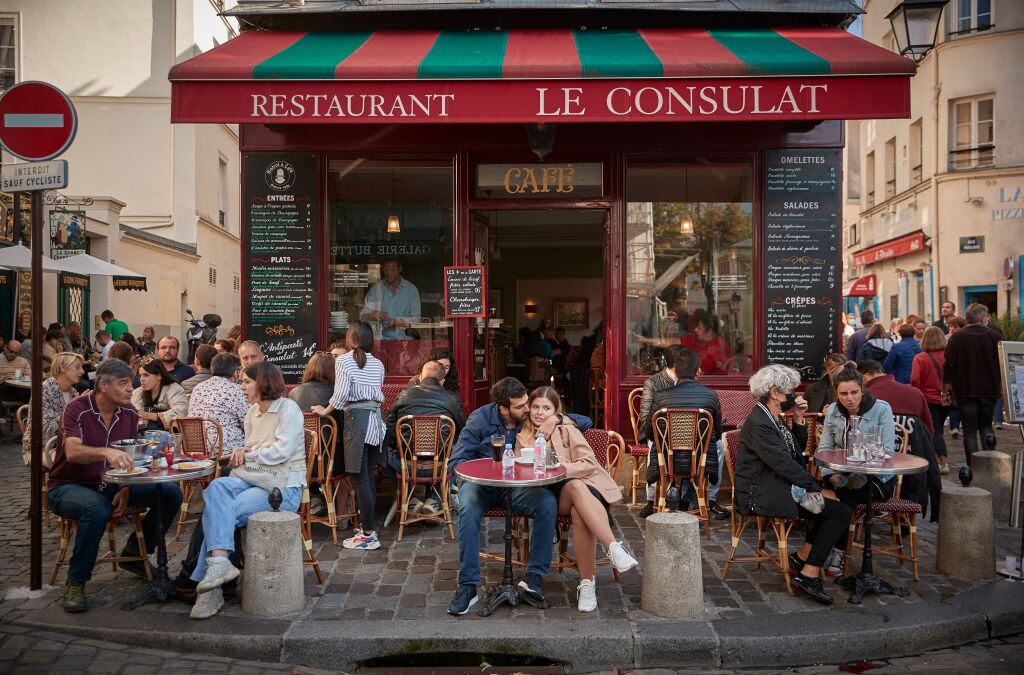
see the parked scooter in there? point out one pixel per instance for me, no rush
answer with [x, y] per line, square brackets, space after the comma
[201, 333]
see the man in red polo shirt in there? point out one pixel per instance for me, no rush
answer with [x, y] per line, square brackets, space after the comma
[713, 349]
[88, 425]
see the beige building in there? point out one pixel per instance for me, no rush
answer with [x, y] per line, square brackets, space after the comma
[158, 199]
[941, 195]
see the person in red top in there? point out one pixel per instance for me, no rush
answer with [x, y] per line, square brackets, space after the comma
[76, 489]
[713, 349]
[910, 409]
[926, 376]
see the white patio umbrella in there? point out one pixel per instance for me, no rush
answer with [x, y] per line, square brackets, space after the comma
[19, 258]
[83, 263]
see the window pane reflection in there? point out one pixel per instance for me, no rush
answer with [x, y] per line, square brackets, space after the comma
[391, 233]
[689, 266]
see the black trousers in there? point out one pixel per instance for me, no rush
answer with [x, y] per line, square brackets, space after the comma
[366, 491]
[939, 413]
[976, 417]
[826, 530]
[857, 496]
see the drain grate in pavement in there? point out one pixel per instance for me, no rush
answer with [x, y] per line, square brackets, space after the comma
[460, 663]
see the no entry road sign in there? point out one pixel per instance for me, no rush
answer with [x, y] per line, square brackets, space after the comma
[37, 121]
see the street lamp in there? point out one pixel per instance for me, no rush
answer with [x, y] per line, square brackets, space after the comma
[734, 302]
[915, 25]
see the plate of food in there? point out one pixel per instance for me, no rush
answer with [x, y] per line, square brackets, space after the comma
[193, 465]
[134, 471]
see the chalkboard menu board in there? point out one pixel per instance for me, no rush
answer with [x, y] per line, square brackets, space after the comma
[464, 290]
[280, 261]
[803, 257]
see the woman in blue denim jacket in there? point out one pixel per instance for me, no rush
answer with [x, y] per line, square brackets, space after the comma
[852, 398]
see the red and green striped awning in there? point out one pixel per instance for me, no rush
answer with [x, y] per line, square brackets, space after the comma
[538, 75]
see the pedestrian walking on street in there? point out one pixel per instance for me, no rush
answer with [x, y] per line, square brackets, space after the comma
[358, 392]
[972, 375]
[926, 376]
[901, 357]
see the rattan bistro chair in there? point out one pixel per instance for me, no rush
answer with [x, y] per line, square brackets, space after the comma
[638, 452]
[305, 522]
[738, 523]
[424, 446]
[68, 526]
[895, 512]
[609, 448]
[201, 438]
[682, 437]
[326, 429]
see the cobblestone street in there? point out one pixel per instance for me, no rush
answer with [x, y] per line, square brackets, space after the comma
[415, 579]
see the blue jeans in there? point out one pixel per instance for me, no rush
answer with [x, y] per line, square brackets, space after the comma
[229, 503]
[539, 503]
[93, 509]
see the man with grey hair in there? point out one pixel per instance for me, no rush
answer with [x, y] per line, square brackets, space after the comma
[77, 489]
[971, 374]
[249, 352]
[220, 398]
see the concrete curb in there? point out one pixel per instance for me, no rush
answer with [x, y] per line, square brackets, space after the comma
[588, 645]
[236, 637]
[846, 633]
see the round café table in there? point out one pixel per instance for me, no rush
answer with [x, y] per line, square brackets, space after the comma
[901, 463]
[488, 472]
[23, 383]
[161, 587]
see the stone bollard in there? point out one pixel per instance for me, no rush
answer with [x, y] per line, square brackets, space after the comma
[993, 471]
[673, 586]
[966, 545]
[272, 580]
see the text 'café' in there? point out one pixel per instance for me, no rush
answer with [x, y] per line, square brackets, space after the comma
[479, 182]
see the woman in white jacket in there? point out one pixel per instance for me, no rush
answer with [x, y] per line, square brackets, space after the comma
[273, 456]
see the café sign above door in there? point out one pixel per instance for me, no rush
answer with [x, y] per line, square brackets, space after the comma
[552, 181]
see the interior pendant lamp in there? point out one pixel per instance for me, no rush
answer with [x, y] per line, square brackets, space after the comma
[394, 224]
[915, 25]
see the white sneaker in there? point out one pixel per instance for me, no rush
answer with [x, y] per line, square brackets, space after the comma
[587, 595]
[834, 564]
[207, 604]
[366, 541]
[620, 557]
[218, 573]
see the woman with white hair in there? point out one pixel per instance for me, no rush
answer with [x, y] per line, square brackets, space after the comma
[772, 479]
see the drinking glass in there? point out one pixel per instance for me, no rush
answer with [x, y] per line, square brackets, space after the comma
[497, 447]
[1011, 567]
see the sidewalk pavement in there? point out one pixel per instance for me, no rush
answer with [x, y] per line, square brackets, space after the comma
[376, 602]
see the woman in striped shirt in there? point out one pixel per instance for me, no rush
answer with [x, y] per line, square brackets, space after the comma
[358, 393]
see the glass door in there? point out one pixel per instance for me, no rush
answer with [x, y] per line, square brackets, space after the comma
[546, 278]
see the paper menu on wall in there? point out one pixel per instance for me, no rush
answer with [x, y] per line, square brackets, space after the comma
[1016, 400]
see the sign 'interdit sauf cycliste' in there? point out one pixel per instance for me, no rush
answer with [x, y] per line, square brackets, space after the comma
[37, 121]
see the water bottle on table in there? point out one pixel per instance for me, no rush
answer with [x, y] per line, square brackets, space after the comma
[540, 453]
[508, 463]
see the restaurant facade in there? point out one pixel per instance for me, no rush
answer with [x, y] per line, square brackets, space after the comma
[461, 176]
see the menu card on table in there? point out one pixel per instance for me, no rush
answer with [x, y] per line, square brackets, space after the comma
[803, 257]
[280, 267]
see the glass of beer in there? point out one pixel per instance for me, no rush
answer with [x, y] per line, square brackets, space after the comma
[497, 447]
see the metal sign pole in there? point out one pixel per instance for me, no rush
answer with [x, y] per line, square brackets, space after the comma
[36, 411]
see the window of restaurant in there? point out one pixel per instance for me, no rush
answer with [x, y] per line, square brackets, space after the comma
[390, 230]
[689, 267]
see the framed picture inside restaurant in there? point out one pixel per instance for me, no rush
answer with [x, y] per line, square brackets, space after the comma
[571, 313]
